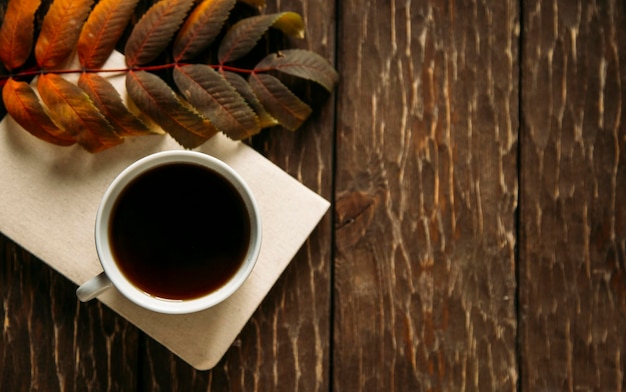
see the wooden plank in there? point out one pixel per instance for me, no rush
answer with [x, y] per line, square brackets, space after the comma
[286, 344]
[426, 196]
[573, 220]
[49, 341]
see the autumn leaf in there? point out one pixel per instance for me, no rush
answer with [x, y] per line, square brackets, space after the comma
[216, 100]
[16, 34]
[106, 98]
[201, 28]
[60, 30]
[155, 98]
[243, 88]
[103, 29]
[23, 105]
[154, 31]
[280, 102]
[244, 35]
[177, 75]
[73, 110]
[301, 63]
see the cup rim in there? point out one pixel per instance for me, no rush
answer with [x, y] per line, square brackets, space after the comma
[135, 294]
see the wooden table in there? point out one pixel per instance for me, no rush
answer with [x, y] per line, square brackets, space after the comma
[474, 153]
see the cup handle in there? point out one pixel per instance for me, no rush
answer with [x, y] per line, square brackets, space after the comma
[93, 287]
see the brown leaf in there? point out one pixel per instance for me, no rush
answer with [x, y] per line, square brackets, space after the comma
[155, 29]
[201, 27]
[155, 98]
[244, 35]
[59, 31]
[279, 101]
[109, 102]
[73, 110]
[23, 105]
[243, 88]
[301, 63]
[103, 29]
[16, 34]
[216, 100]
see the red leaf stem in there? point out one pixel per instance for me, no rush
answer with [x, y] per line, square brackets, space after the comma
[37, 71]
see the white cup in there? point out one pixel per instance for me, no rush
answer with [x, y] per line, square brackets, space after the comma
[113, 275]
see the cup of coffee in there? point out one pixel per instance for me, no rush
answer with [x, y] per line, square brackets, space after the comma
[176, 232]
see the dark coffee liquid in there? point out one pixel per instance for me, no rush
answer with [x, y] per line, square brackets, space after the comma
[179, 231]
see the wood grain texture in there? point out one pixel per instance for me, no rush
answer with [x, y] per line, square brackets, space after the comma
[415, 285]
[573, 237]
[49, 341]
[426, 196]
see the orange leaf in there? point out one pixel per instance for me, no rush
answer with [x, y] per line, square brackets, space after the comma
[16, 34]
[155, 98]
[109, 102]
[201, 27]
[73, 110]
[281, 103]
[217, 100]
[59, 31]
[23, 105]
[155, 29]
[244, 35]
[103, 29]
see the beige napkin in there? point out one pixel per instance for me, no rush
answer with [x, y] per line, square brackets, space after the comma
[48, 201]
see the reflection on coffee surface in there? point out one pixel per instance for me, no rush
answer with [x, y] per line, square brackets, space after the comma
[179, 231]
